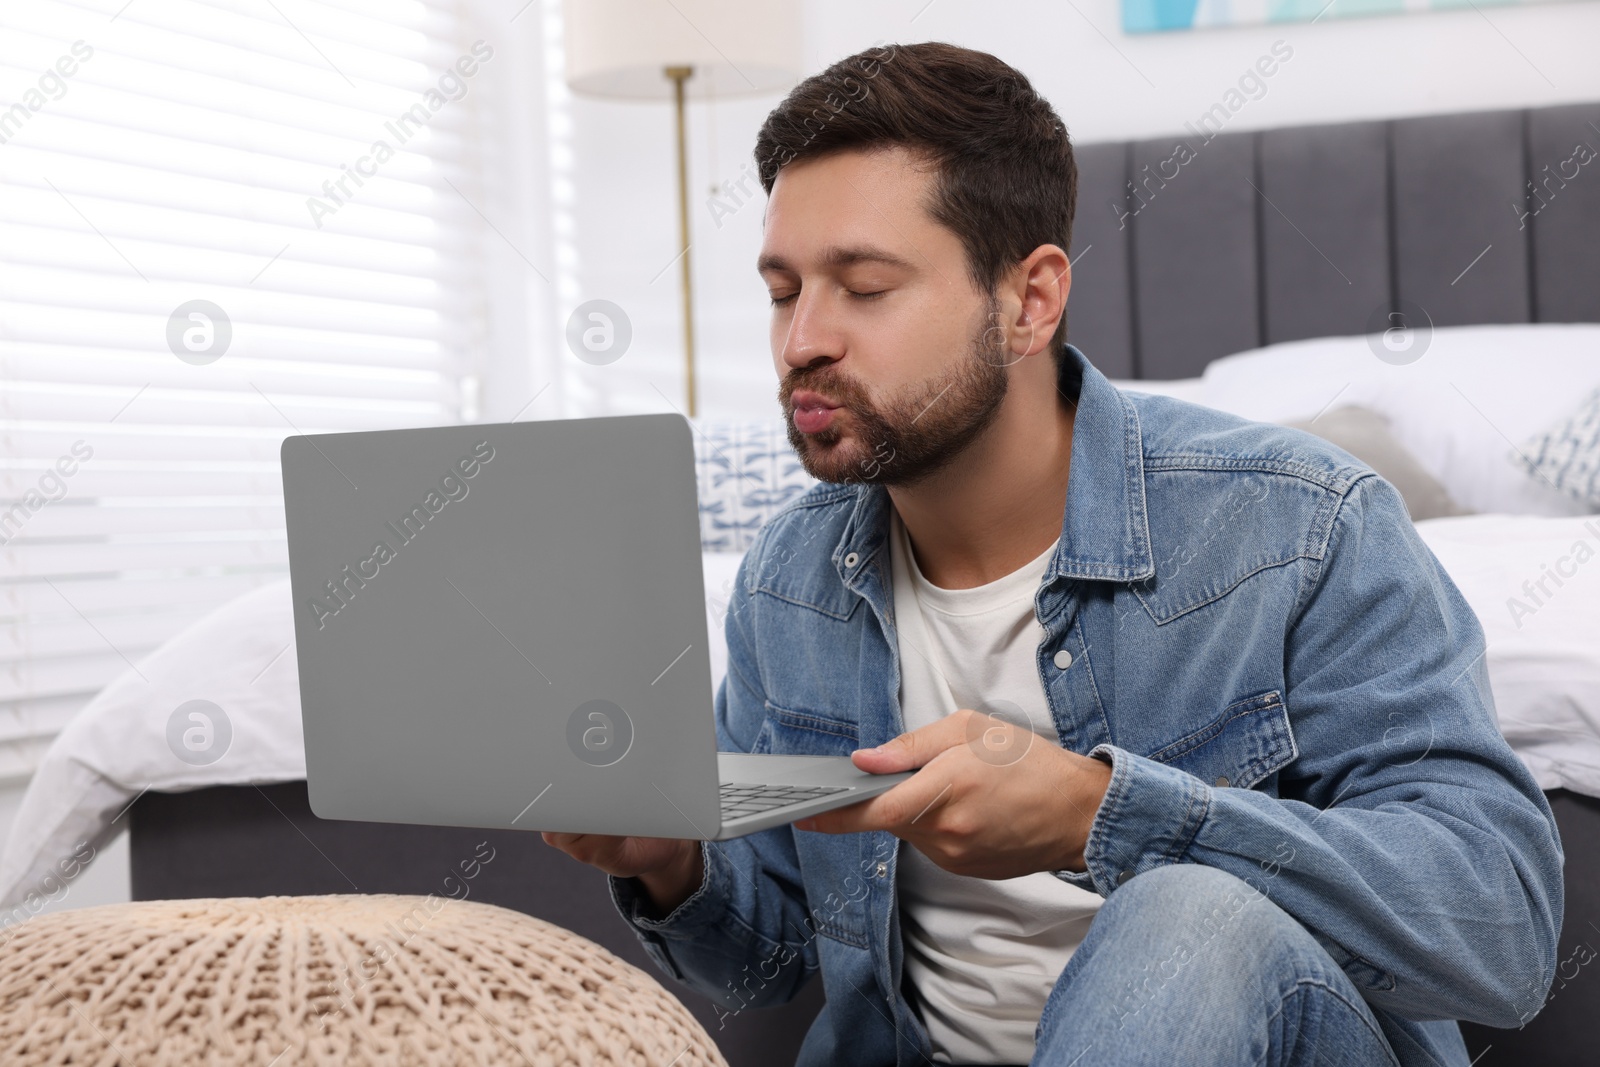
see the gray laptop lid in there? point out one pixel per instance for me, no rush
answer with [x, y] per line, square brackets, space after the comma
[502, 625]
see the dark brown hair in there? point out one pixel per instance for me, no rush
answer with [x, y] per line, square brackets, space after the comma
[1005, 181]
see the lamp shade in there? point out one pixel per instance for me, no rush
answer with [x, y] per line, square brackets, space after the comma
[618, 48]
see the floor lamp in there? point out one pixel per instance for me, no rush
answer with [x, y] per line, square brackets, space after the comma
[675, 49]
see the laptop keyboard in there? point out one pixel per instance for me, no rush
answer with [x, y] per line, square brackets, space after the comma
[739, 799]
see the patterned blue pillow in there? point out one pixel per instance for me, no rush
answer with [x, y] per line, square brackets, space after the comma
[747, 472]
[1568, 455]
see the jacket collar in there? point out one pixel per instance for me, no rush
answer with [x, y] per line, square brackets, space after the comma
[1105, 533]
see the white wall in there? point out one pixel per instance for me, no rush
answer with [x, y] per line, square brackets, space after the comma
[1106, 86]
[1110, 86]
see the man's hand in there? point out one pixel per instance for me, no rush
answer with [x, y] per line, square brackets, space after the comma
[669, 869]
[992, 800]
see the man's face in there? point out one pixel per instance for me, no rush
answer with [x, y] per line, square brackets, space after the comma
[875, 317]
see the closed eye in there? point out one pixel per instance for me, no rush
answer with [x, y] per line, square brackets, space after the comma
[780, 301]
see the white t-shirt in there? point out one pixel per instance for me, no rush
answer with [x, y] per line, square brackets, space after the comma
[982, 954]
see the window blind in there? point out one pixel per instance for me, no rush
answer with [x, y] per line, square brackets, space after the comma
[220, 224]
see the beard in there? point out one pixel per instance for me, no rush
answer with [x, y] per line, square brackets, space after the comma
[908, 437]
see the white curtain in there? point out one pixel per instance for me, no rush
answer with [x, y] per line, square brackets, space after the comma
[220, 224]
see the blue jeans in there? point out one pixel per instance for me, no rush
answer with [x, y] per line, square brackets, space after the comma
[1187, 965]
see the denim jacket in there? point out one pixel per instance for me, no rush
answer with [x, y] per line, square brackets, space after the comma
[1288, 686]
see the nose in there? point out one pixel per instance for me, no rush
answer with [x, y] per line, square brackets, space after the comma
[809, 336]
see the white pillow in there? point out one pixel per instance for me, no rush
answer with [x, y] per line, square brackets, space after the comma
[1474, 393]
[1567, 455]
[1534, 583]
[747, 473]
[239, 658]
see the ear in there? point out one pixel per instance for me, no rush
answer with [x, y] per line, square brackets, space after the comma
[1039, 284]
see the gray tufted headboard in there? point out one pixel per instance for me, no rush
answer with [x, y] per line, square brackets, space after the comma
[1187, 249]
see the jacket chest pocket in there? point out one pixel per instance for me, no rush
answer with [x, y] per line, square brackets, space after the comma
[806, 733]
[1249, 741]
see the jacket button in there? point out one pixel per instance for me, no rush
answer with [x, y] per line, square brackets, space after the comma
[1123, 877]
[851, 560]
[1222, 781]
[883, 870]
[1063, 659]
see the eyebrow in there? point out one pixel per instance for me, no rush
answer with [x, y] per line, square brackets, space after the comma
[836, 257]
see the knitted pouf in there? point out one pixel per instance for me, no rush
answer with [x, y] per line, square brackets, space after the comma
[338, 980]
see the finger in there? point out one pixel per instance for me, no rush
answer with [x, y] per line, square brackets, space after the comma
[915, 749]
[847, 820]
[585, 848]
[896, 810]
[567, 843]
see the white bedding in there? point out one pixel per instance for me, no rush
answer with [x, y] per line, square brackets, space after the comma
[1534, 584]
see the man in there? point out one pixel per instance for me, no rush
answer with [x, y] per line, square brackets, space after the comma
[1208, 770]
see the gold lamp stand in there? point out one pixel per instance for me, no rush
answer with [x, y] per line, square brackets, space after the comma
[679, 76]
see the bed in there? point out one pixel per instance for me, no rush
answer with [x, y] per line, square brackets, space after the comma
[1266, 277]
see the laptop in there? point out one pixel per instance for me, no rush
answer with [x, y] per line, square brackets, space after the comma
[504, 626]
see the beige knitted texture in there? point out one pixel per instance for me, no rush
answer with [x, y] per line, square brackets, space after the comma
[377, 979]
